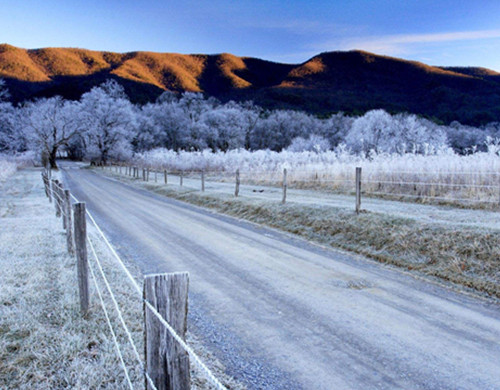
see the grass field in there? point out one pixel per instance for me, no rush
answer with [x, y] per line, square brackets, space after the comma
[44, 341]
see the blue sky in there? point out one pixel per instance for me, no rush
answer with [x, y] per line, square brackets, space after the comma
[438, 32]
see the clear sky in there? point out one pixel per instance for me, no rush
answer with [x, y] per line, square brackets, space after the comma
[437, 32]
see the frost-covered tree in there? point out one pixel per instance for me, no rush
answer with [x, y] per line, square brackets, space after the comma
[335, 128]
[467, 139]
[224, 128]
[163, 124]
[416, 135]
[47, 125]
[9, 138]
[108, 117]
[277, 130]
[379, 132]
[314, 143]
[374, 131]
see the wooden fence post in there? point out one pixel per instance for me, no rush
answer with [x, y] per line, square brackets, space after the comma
[49, 183]
[63, 206]
[80, 228]
[237, 188]
[156, 177]
[165, 176]
[55, 193]
[49, 189]
[69, 230]
[147, 174]
[46, 185]
[202, 181]
[358, 189]
[181, 179]
[167, 363]
[283, 201]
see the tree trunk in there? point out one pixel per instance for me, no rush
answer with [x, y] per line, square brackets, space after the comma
[52, 158]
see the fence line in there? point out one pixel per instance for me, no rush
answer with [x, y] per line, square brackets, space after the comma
[485, 194]
[197, 361]
[437, 173]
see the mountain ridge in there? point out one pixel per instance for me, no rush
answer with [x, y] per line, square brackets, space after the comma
[350, 81]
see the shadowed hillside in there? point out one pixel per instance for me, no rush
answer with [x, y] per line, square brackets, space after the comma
[352, 82]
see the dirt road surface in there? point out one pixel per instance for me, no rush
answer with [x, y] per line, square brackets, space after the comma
[281, 313]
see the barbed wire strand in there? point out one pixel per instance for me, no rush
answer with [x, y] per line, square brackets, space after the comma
[432, 173]
[110, 327]
[429, 184]
[186, 347]
[120, 316]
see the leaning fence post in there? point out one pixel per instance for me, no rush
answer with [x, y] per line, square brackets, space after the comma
[167, 363]
[69, 230]
[237, 188]
[44, 183]
[284, 186]
[59, 198]
[358, 189]
[63, 206]
[49, 188]
[55, 193]
[202, 181]
[80, 226]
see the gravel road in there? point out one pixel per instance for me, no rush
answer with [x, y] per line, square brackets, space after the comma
[281, 313]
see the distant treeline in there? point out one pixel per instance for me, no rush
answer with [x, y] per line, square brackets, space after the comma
[104, 124]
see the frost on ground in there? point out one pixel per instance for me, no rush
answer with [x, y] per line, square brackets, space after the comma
[7, 168]
[10, 163]
[44, 341]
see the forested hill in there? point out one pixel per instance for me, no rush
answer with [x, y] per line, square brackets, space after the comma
[353, 82]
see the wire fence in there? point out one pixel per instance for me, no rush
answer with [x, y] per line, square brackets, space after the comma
[63, 209]
[467, 189]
